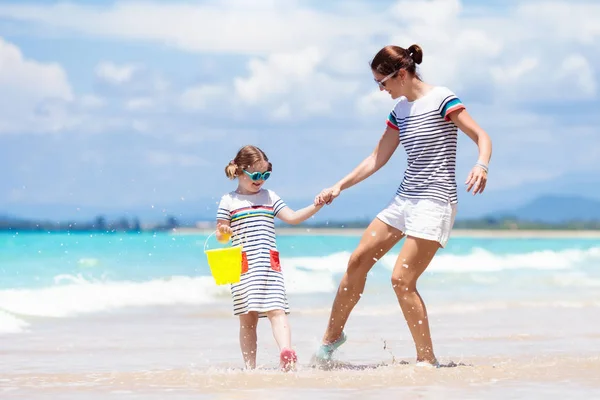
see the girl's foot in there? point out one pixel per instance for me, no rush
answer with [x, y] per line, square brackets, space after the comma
[287, 360]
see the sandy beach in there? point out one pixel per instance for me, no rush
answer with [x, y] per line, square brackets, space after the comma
[492, 354]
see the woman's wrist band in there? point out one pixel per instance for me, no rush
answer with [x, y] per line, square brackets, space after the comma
[482, 166]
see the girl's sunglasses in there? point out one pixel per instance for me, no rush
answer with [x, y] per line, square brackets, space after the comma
[257, 176]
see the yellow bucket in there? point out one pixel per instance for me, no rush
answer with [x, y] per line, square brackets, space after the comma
[225, 264]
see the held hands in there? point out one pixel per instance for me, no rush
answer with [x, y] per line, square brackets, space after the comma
[223, 233]
[477, 179]
[327, 195]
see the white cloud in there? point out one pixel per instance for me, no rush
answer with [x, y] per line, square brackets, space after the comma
[465, 47]
[433, 13]
[376, 102]
[523, 53]
[202, 97]
[578, 70]
[116, 74]
[570, 77]
[564, 20]
[277, 75]
[292, 84]
[34, 94]
[248, 27]
[511, 72]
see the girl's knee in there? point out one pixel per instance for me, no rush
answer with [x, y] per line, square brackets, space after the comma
[249, 321]
[275, 314]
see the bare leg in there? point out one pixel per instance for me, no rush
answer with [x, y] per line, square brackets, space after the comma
[281, 328]
[414, 258]
[283, 337]
[248, 324]
[377, 240]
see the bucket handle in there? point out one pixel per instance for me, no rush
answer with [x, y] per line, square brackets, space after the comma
[214, 232]
[206, 241]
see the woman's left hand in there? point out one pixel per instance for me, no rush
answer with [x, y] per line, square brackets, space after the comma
[476, 180]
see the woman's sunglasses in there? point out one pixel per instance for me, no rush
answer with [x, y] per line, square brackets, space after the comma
[381, 83]
[257, 176]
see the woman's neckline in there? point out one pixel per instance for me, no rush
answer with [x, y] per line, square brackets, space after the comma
[431, 90]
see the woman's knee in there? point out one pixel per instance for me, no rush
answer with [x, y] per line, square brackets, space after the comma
[360, 263]
[403, 284]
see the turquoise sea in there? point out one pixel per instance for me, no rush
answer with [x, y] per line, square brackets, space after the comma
[142, 309]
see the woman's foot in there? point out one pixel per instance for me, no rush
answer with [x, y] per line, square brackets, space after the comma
[431, 364]
[325, 351]
[287, 360]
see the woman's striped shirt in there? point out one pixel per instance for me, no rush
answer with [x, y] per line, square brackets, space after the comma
[430, 140]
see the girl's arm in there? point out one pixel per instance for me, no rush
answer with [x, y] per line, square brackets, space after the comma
[378, 158]
[292, 217]
[477, 178]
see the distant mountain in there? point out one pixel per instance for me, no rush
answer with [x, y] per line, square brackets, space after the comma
[556, 209]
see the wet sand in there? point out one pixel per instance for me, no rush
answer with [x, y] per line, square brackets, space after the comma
[520, 351]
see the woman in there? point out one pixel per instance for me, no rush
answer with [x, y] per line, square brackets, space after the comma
[425, 121]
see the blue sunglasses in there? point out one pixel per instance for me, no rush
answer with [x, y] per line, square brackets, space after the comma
[257, 176]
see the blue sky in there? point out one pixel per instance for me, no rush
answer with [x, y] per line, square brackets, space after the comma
[133, 105]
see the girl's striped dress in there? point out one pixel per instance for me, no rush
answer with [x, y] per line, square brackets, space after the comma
[252, 220]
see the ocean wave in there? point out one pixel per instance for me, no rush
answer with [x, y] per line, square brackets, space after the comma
[478, 260]
[75, 294]
[72, 295]
[11, 324]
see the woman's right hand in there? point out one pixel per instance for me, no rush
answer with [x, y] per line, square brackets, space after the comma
[327, 195]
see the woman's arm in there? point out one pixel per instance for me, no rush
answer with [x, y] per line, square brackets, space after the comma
[378, 158]
[292, 217]
[477, 178]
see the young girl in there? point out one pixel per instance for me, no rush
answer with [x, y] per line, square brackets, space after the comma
[246, 216]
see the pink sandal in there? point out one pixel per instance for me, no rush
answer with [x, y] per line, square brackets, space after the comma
[287, 360]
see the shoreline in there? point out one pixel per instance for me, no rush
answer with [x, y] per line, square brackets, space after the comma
[473, 233]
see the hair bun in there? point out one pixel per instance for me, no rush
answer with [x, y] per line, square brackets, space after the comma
[416, 53]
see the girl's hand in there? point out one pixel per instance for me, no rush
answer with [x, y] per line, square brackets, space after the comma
[327, 195]
[223, 233]
[476, 180]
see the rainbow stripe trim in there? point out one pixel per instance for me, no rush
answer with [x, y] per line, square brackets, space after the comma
[453, 105]
[257, 211]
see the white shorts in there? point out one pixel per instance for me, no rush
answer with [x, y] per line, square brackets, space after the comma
[421, 218]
